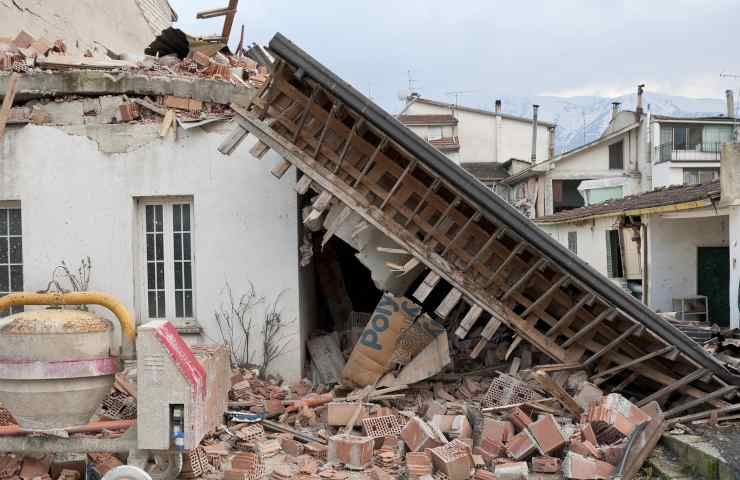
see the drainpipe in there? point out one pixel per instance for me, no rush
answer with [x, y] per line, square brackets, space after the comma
[615, 109]
[497, 132]
[551, 143]
[534, 133]
[639, 110]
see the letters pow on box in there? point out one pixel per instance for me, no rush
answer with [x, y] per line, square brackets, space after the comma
[372, 354]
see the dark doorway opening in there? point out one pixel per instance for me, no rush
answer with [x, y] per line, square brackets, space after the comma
[713, 280]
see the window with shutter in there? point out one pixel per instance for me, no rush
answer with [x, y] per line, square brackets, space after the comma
[616, 156]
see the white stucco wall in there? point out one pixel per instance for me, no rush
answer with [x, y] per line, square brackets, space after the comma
[77, 201]
[591, 239]
[478, 139]
[672, 255]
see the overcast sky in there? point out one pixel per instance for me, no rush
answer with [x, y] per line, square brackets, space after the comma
[501, 48]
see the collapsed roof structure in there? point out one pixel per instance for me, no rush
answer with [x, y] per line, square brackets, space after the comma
[501, 265]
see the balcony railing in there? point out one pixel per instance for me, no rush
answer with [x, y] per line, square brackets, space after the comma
[701, 152]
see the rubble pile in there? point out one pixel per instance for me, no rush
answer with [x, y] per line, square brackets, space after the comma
[544, 421]
[25, 54]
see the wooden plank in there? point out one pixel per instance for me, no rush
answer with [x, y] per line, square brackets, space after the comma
[668, 389]
[519, 248]
[473, 218]
[348, 144]
[626, 382]
[524, 278]
[698, 401]
[545, 297]
[279, 170]
[449, 302]
[704, 414]
[167, 122]
[322, 201]
[259, 150]
[8, 99]
[400, 180]
[570, 315]
[480, 252]
[303, 184]
[601, 377]
[468, 321]
[327, 357]
[558, 392]
[335, 222]
[432, 188]
[235, 138]
[488, 332]
[592, 325]
[611, 345]
[643, 444]
[426, 286]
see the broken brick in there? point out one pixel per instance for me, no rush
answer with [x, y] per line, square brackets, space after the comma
[616, 411]
[520, 419]
[578, 467]
[547, 434]
[583, 447]
[545, 464]
[521, 445]
[418, 435]
[291, 447]
[23, 39]
[354, 452]
[497, 430]
[128, 111]
[453, 459]
[481, 474]
[587, 395]
[340, 413]
[587, 432]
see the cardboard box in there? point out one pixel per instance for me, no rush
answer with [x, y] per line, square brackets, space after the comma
[373, 352]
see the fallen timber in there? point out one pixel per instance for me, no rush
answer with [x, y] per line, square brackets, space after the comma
[501, 266]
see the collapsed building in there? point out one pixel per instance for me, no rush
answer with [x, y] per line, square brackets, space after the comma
[388, 246]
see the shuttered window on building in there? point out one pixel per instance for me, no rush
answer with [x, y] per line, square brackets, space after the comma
[613, 254]
[573, 242]
[616, 156]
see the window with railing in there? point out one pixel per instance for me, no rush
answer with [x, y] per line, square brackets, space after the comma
[692, 142]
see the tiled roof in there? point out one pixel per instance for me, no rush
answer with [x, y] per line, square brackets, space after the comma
[485, 170]
[481, 111]
[656, 198]
[446, 144]
[427, 119]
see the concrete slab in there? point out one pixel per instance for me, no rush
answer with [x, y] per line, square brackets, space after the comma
[697, 455]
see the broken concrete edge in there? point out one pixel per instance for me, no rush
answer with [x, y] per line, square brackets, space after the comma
[87, 82]
[695, 454]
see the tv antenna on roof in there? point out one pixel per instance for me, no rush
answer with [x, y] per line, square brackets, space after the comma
[457, 94]
[412, 83]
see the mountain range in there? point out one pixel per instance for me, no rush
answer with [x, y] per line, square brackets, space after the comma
[582, 119]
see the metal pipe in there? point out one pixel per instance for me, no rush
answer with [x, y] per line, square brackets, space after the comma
[92, 427]
[640, 90]
[534, 133]
[125, 319]
[496, 207]
[730, 103]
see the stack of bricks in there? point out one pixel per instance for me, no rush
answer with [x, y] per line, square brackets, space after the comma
[245, 466]
[418, 464]
[194, 463]
[267, 448]
[249, 435]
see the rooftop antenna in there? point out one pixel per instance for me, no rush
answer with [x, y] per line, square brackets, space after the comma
[412, 83]
[457, 94]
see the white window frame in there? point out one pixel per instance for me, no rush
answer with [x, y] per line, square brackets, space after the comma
[14, 205]
[142, 299]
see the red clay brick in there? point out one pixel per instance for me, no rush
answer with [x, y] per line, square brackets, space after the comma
[587, 433]
[354, 452]
[520, 419]
[498, 430]
[583, 447]
[521, 446]
[547, 434]
[453, 459]
[512, 471]
[418, 435]
[545, 464]
[578, 467]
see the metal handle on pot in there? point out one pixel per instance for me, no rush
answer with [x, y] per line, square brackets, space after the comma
[128, 325]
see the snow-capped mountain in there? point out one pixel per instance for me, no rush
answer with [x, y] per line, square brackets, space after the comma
[582, 119]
